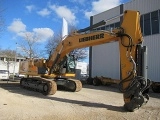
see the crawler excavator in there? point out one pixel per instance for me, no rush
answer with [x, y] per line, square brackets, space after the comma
[133, 78]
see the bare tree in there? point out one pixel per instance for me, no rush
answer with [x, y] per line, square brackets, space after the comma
[52, 44]
[10, 54]
[80, 54]
[29, 46]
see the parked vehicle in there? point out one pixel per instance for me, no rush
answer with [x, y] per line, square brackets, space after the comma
[4, 74]
[19, 75]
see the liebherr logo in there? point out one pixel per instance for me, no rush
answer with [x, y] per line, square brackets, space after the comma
[93, 37]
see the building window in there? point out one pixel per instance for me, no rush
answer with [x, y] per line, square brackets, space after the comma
[147, 24]
[107, 27]
[98, 28]
[141, 23]
[103, 28]
[159, 21]
[155, 22]
[117, 24]
[111, 26]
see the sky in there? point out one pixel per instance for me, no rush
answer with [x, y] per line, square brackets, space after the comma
[44, 17]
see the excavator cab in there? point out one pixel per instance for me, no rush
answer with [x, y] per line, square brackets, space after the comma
[68, 64]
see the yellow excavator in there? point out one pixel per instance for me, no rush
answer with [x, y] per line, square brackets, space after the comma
[57, 70]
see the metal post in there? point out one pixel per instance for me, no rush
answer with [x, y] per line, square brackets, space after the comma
[15, 57]
[144, 62]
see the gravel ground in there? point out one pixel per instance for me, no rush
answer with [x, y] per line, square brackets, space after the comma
[91, 103]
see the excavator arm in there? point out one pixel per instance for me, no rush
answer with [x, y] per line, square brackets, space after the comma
[129, 37]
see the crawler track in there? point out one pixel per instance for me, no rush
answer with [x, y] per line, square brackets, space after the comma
[49, 86]
[45, 86]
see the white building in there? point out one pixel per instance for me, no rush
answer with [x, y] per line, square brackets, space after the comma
[11, 65]
[82, 66]
[104, 59]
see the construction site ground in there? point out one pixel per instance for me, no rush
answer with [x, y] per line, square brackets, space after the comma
[91, 103]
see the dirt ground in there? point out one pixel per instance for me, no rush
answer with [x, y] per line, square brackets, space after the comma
[91, 103]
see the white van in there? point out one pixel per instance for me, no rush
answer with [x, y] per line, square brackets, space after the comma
[4, 74]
